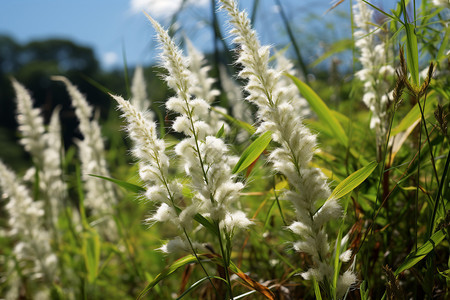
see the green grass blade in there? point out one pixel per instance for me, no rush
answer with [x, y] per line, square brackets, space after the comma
[97, 85]
[321, 109]
[421, 252]
[126, 185]
[442, 53]
[412, 51]
[91, 253]
[206, 223]
[125, 70]
[317, 290]
[253, 152]
[393, 17]
[167, 272]
[197, 284]
[432, 224]
[414, 115]
[220, 132]
[351, 182]
[364, 291]
[214, 258]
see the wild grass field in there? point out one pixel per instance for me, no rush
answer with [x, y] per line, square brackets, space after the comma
[251, 180]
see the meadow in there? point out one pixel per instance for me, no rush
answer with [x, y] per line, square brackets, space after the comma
[251, 180]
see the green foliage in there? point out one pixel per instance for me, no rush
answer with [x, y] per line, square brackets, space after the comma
[352, 181]
[395, 218]
[421, 252]
[253, 152]
[321, 109]
[91, 252]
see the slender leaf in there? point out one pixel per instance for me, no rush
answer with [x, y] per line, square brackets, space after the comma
[351, 182]
[197, 284]
[91, 253]
[414, 115]
[253, 152]
[220, 132]
[364, 291]
[214, 258]
[442, 53]
[317, 290]
[321, 109]
[421, 252]
[189, 259]
[126, 185]
[412, 51]
[393, 17]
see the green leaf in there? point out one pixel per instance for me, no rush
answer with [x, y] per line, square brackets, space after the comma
[189, 259]
[91, 253]
[415, 257]
[197, 284]
[412, 51]
[126, 185]
[351, 182]
[393, 17]
[206, 223]
[364, 291]
[214, 258]
[442, 53]
[321, 109]
[253, 152]
[414, 114]
[317, 290]
[220, 132]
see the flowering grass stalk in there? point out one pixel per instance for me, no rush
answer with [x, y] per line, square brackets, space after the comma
[100, 197]
[276, 113]
[153, 165]
[33, 253]
[139, 96]
[374, 72]
[153, 170]
[202, 88]
[205, 156]
[45, 148]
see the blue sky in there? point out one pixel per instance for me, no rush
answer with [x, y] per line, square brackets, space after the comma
[108, 26]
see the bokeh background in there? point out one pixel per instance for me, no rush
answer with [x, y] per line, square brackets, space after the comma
[97, 45]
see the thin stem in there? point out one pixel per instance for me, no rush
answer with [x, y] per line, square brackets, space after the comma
[226, 261]
[172, 200]
[379, 184]
[199, 261]
[417, 188]
[438, 197]
[428, 137]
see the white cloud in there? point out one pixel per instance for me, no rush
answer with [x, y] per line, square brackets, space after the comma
[110, 59]
[162, 8]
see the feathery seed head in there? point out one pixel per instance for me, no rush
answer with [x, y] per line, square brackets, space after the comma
[31, 123]
[139, 92]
